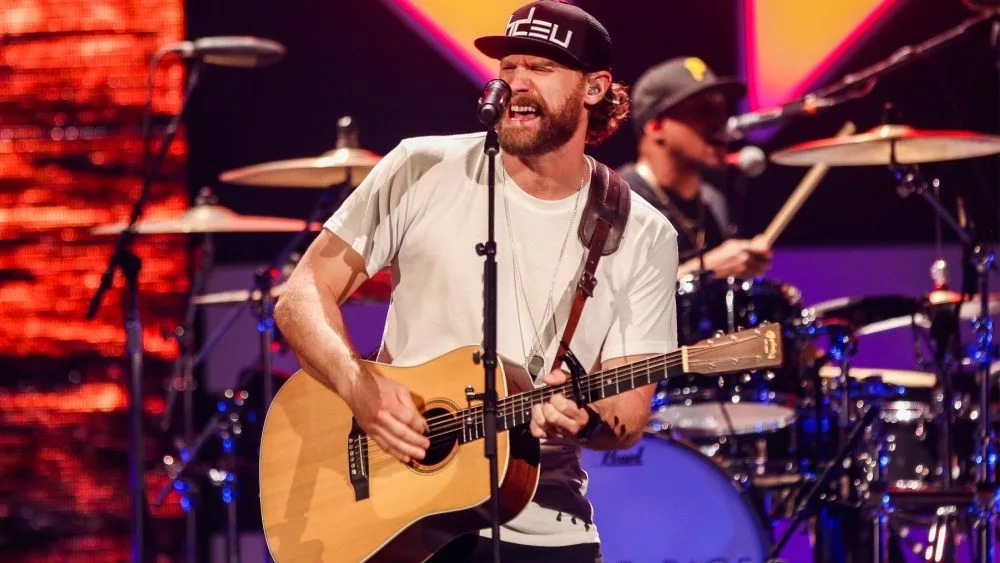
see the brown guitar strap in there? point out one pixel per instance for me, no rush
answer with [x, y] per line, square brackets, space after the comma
[601, 229]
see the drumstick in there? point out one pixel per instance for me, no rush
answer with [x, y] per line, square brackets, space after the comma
[798, 197]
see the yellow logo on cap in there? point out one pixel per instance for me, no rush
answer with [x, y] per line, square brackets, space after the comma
[696, 67]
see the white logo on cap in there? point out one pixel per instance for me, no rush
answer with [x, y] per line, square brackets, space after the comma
[538, 29]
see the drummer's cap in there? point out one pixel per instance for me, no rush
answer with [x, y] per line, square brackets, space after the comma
[671, 82]
[554, 30]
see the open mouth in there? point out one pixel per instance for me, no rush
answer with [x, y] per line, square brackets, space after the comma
[523, 113]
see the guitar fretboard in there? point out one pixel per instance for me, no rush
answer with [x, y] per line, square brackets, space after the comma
[515, 410]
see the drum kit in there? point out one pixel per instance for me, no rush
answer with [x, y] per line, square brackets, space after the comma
[869, 455]
[818, 437]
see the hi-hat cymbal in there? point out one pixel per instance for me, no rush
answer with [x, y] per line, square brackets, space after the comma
[209, 218]
[880, 145]
[378, 288]
[323, 171]
[903, 378]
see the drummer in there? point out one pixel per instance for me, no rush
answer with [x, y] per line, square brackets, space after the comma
[679, 110]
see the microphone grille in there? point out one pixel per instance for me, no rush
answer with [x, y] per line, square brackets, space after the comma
[752, 161]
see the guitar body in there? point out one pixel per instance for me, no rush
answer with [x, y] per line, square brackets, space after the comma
[313, 512]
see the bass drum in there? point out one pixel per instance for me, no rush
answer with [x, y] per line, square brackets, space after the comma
[662, 501]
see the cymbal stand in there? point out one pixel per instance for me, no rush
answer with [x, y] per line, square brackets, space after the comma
[978, 261]
[226, 423]
[182, 381]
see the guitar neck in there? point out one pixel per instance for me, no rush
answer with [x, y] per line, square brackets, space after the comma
[744, 350]
[515, 410]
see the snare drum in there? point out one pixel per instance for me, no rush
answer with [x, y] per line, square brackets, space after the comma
[740, 403]
[663, 501]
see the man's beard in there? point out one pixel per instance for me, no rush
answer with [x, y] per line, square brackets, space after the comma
[554, 128]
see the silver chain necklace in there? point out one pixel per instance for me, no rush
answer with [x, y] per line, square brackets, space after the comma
[537, 362]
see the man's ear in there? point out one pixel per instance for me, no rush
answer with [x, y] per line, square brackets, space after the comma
[598, 84]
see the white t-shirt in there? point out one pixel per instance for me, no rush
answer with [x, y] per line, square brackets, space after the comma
[423, 209]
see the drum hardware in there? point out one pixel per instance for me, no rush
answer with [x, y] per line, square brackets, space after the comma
[226, 423]
[978, 263]
[812, 499]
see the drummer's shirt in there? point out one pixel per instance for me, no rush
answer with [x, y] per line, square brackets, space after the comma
[423, 209]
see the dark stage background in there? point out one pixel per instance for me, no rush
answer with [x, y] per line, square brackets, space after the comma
[358, 58]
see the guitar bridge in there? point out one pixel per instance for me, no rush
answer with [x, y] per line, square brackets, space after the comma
[357, 461]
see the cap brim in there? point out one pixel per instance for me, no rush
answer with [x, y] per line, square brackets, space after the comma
[732, 89]
[499, 46]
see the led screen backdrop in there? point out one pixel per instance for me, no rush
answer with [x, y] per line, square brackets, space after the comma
[72, 91]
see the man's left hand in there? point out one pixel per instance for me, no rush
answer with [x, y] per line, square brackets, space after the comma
[558, 418]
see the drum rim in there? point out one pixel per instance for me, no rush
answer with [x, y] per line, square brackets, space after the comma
[780, 401]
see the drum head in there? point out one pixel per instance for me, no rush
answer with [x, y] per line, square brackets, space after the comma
[663, 501]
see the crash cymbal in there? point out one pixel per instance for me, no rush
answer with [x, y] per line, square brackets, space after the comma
[378, 288]
[209, 218]
[876, 147]
[323, 171]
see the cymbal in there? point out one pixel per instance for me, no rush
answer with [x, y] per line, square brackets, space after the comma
[875, 147]
[870, 314]
[209, 218]
[903, 378]
[970, 309]
[234, 296]
[879, 313]
[378, 288]
[328, 169]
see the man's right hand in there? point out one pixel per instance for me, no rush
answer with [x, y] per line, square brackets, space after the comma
[385, 411]
[740, 258]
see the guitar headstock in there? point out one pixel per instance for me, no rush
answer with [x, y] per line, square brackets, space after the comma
[743, 350]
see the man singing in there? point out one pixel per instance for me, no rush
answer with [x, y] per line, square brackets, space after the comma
[423, 209]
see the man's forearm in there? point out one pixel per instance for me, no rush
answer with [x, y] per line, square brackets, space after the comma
[315, 330]
[623, 420]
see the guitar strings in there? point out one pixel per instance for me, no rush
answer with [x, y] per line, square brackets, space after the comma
[454, 423]
[453, 426]
[597, 380]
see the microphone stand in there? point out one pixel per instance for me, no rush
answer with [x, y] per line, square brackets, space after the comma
[866, 77]
[488, 251]
[130, 264]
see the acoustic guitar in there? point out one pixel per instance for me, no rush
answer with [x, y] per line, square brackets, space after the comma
[328, 494]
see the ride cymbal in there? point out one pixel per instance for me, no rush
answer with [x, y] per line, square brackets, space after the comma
[887, 144]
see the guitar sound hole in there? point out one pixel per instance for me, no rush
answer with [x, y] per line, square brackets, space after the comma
[444, 435]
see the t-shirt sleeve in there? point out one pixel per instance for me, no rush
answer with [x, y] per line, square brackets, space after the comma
[374, 218]
[645, 320]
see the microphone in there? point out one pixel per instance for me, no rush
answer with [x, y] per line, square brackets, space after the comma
[750, 160]
[810, 105]
[493, 102]
[238, 51]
